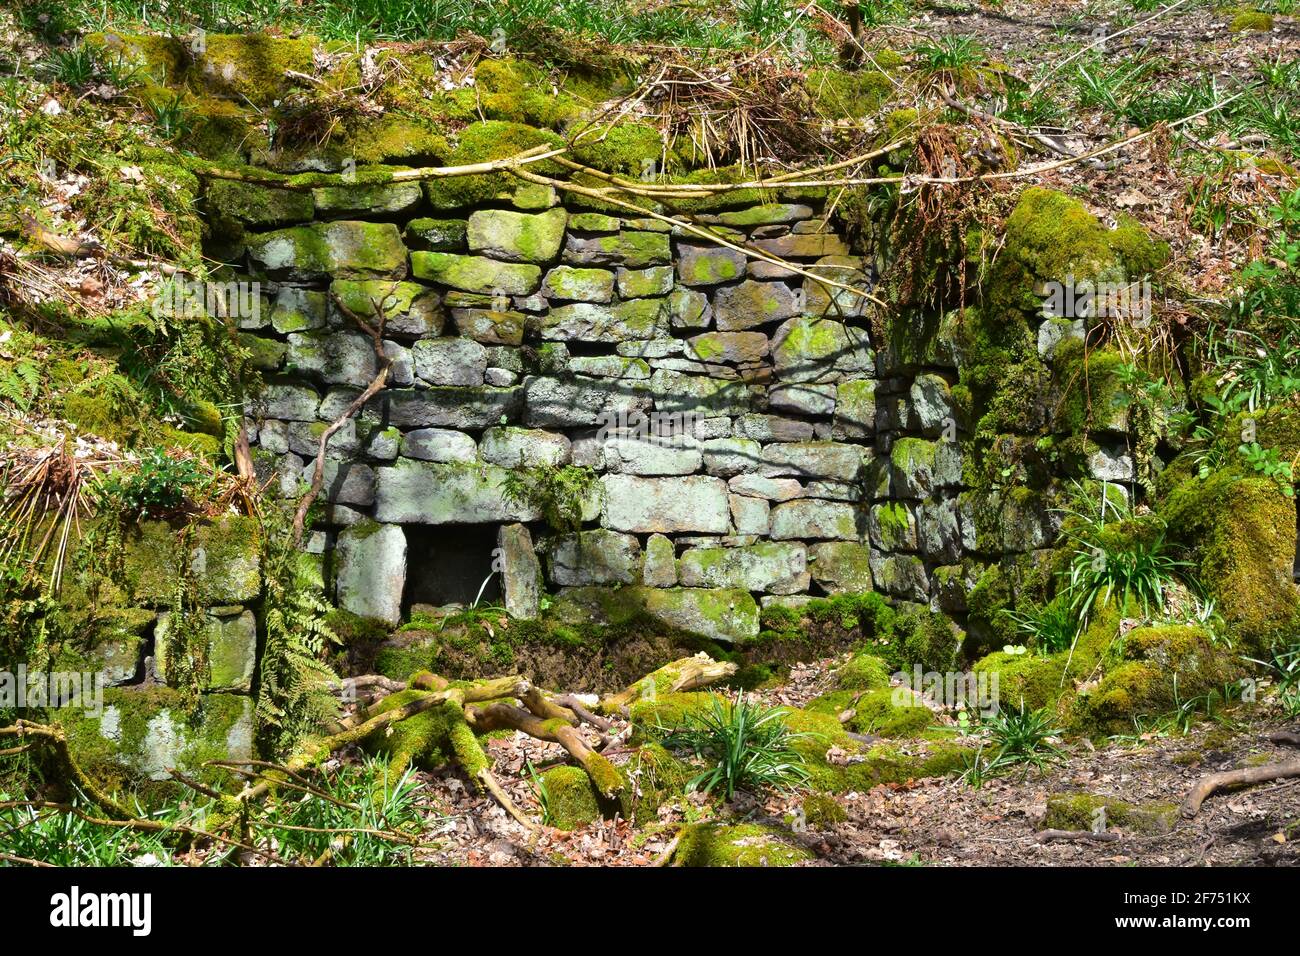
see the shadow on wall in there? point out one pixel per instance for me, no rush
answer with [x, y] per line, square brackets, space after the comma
[447, 564]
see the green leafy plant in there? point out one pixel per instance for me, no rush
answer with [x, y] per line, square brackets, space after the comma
[1257, 372]
[63, 837]
[1268, 462]
[541, 791]
[20, 382]
[1117, 559]
[173, 117]
[162, 483]
[1022, 738]
[370, 819]
[558, 493]
[73, 66]
[747, 745]
[1098, 85]
[294, 696]
[1283, 664]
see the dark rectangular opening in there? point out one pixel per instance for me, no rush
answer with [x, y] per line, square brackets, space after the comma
[1295, 565]
[446, 564]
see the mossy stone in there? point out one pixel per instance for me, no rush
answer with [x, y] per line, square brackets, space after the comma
[258, 206]
[476, 273]
[571, 800]
[744, 844]
[341, 250]
[1242, 534]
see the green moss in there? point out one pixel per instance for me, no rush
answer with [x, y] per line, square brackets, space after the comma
[863, 672]
[1167, 666]
[822, 810]
[653, 777]
[876, 713]
[256, 205]
[1088, 387]
[521, 92]
[146, 730]
[1141, 255]
[1049, 237]
[926, 638]
[1241, 532]
[221, 131]
[746, 844]
[1084, 811]
[626, 148]
[428, 739]
[352, 629]
[820, 731]
[838, 94]
[251, 67]
[1251, 20]
[570, 798]
[479, 143]
[1050, 681]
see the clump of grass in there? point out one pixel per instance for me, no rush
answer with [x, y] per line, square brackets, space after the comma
[72, 66]
[370, 819]
[748, 747]
[1050, 627]
[1022, 738]
[1113, 558]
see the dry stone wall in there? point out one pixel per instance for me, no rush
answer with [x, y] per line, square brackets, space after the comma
[747, 450]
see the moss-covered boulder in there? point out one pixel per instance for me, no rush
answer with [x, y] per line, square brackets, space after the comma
[862, 672]
[1241, 531]
[570, 799]
[743, 844]
[221, 557]
[835, 761]
[340, 250]
[651, 776]
[482, 142]
[1163, 667]
[142, 733]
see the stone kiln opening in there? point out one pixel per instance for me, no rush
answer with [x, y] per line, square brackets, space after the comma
[447, 564]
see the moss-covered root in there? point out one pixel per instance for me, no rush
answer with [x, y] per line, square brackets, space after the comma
[499, 716]
[688, 673]
[54, 736]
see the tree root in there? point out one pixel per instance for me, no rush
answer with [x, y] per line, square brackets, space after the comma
[686, 674]
[509, 702]
[1211, 784]
[1075, 836]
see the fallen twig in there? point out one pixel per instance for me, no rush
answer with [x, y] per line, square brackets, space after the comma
[1075, 836]
[1247, 776]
